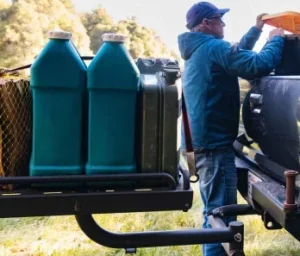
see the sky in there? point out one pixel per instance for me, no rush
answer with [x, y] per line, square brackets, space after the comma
[167, 17]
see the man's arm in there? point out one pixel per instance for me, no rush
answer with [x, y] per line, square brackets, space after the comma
[248, 64]
[248, 41]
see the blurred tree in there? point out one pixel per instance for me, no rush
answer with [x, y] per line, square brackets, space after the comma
[141, 41]
[24, 25]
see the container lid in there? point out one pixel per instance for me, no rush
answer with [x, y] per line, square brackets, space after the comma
[289, 21]
[59, 34]
[111, 37]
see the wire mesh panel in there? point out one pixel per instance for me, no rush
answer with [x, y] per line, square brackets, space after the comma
[15, 127]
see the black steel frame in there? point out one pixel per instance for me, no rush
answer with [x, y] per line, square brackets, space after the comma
[27, 201]
[232, 235]
[38, 200]
[268, 196]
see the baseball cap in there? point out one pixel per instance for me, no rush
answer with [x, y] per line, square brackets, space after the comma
[200, 11]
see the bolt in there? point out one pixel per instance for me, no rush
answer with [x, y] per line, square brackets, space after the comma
[238, 237]
[290, 203]
[77, 207]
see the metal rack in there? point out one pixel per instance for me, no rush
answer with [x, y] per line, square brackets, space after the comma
[32, 198]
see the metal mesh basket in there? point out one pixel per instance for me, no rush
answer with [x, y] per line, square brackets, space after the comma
[15, 127]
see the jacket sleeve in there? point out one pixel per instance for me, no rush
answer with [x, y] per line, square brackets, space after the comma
[248, 41]
[244, 63]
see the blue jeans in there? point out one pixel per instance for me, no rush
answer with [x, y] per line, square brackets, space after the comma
[218, 187]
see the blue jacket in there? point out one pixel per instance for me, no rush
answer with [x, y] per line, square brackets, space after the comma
[210, 82]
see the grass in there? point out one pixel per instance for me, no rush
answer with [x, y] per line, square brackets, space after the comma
[61, 236]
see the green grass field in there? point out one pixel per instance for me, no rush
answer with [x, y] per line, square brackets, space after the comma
[61, 236]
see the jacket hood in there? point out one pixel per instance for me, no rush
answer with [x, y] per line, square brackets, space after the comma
[188, 42]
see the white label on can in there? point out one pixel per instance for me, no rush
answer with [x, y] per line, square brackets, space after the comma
[149, 79]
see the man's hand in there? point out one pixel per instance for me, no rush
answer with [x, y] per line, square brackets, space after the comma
[260, 23]
[276, 32]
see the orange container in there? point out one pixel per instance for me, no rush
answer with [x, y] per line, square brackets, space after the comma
[289, 21]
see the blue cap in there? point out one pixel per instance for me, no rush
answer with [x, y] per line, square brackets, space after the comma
[200, 11]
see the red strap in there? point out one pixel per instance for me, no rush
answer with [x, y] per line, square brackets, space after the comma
[186, 125]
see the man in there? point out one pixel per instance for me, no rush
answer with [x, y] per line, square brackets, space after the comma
[211, 90]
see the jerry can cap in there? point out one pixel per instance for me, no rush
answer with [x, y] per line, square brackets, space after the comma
[59, 34]
[289, 21]
[110, 37]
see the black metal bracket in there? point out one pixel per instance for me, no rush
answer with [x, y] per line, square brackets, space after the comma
[269, 222]
[233, 210]
[233, 235]
[236, 247]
